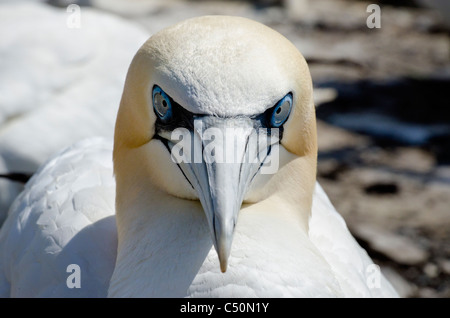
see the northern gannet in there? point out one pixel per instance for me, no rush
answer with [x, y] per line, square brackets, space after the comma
[201, 227]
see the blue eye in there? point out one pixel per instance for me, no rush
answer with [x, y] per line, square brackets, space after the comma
[161, 104]
[281, 112]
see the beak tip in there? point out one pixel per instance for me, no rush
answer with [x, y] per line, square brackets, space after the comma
[223, 266]
[223, 255]
[223, 243]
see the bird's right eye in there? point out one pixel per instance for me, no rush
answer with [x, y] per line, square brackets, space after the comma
[281, 111]
[161, 104]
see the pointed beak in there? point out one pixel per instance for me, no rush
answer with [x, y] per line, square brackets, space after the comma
[224, 157]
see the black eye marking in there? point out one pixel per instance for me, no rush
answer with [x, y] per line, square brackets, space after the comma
[179, 117]
[266, 119]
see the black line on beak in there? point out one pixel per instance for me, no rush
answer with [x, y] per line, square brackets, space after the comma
[166, 144]
[269, 150]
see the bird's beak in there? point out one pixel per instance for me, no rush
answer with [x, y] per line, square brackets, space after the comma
[224, 157]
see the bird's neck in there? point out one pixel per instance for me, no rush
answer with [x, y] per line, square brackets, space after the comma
[160, 240]
[170, 238]
[163, 252]
[293, 186]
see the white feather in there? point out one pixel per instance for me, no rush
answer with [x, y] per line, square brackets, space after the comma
[57, 79]
[356, 273]
[66, 216]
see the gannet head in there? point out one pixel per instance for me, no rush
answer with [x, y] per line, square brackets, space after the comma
[213, 109]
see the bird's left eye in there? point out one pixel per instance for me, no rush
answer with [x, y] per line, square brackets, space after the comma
[281, 111]
[161, 104]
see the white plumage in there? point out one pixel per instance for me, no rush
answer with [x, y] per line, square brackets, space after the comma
[287, 239]
[58, 84]
[66, 216]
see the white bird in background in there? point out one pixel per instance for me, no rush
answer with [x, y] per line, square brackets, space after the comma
[200, 229]
[58, 84]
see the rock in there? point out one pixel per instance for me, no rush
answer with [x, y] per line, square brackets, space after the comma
[297, 10]
[431, 270]
[330, 138]
[382, 188]
[440, 6]
[323, 95]
[396, 247]
[428, 293]
[327, 13]
[377, 109]
[441, 173]
[133, 9]
[444, 265]
[401, 285]
[412, 159]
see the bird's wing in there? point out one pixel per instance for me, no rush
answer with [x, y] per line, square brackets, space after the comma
[64, 216]
[355, 271]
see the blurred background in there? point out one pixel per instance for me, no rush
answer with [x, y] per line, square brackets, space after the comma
[381, 95]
